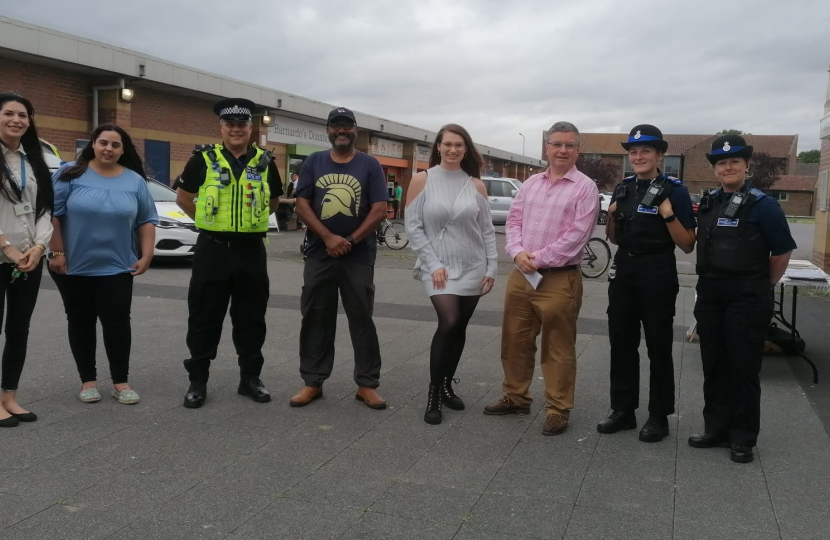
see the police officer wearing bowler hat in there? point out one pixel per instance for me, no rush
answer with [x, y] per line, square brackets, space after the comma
[236, 186]
[744, 246]
[652, 213]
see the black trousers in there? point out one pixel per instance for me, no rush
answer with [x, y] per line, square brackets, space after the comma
[21, 297]
[223, 274]
[644, 291]
[87, 299]
[322, 281]
[733, 315]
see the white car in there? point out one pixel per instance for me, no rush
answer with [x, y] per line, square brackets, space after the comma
[500, 192]
[176, 233]
[604, 203]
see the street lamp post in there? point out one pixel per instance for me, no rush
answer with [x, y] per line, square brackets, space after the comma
[523, 144]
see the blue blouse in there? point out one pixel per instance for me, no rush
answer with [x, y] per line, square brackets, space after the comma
[99, 217]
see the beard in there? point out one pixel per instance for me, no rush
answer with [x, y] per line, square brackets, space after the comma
[343, 146]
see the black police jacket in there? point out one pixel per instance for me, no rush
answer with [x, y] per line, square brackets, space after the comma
[730, 246]
[641, 229]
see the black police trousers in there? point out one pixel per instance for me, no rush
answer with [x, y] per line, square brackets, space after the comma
[225, 273]
[318, 304]
[733, 315]
[644, 291]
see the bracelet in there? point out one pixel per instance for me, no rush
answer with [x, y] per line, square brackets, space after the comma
[670, 218]
[41, 246]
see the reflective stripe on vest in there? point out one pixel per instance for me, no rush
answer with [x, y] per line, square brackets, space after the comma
[240, 205]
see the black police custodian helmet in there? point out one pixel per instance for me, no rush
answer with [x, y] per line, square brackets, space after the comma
[647, 135]
[235, 109]
[728, 146]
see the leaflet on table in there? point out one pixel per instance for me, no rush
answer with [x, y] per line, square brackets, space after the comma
[533, 278]
[807, 274]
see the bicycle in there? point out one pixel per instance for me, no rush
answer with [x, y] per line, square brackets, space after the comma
[393, 234]
[597, 258]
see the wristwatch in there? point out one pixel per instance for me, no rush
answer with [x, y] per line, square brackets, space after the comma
[52, 254]
[6, 244]
[670, 218]
[350, 240]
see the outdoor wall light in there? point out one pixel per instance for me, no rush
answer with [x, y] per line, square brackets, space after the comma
[127, 94]
[267, 120]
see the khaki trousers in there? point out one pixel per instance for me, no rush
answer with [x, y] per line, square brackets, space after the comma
[552, 308]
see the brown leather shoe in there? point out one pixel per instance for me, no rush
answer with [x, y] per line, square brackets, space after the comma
[555, 424]
[305, 396]
[370, 397]
[506, 405]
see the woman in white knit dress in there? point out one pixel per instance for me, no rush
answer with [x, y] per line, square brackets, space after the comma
[449, 226]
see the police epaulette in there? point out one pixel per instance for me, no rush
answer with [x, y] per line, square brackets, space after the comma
[201, 148]
[757, 192]
[675, 181]
[629, 178]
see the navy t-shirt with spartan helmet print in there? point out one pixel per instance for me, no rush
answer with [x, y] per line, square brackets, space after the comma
[341, 195]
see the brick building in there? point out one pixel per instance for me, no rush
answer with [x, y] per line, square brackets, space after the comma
[821, 238]
[75, 83]
[686, 159]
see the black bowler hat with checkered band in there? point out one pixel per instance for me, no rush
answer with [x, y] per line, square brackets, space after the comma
[235, 109]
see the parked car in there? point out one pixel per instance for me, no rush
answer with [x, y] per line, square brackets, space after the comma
[501, 192]
[604, 203]
[176, 233]
[695, 203]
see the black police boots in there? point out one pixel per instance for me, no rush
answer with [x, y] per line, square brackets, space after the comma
[708, 440]
[195, 396]
[741, 453]
[618, 420]
[655, 429]
[448, 396]
[433, 414]
[254, 389]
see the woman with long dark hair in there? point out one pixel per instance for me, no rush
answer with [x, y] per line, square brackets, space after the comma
[25, 230]
[101, 203]
[450, 228]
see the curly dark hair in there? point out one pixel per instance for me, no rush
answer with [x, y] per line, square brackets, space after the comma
[30, 142]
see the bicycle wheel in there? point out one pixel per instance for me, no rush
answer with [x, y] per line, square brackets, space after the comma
[597, 258]
[394, 234]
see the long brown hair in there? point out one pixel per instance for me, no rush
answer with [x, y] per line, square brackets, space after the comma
[30, 143]
[471, 164]
[129, 159]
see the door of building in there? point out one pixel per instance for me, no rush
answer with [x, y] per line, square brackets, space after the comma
[157, 160]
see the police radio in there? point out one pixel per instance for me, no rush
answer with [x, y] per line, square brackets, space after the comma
[264, 160]
[653, 191]
[734, 205]
[224, 176]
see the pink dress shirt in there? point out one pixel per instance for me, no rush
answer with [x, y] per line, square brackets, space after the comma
[553, 220]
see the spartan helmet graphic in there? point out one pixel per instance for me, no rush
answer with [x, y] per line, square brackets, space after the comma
[342, 195]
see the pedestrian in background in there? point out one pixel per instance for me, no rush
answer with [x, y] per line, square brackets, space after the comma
[341, 197]
[26, 199]
[396, 201]
[744, 246]
[102, 203]
[450, 229]
[550, 221]
[651, 213]
[236, 186]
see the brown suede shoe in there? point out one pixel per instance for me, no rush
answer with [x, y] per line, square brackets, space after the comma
[370, 398]
[555, 424]
[305, 396]
[506, 405]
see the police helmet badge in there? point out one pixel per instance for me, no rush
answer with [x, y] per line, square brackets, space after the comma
[726, 147]
[638, 135]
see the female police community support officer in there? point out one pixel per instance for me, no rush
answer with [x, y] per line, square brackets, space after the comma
[238, 187]
[744, 245]
[652, 213]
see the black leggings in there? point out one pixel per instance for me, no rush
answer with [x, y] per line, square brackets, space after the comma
[454, 313]
[21, 297]
[86, 299]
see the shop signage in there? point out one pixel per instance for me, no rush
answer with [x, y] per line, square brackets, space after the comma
[291, 131]
[423, 153]
[385, 147]
[824, 128]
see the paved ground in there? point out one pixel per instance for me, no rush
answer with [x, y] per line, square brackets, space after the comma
[235, 469]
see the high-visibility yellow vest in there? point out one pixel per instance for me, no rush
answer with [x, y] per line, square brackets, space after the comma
[230, 204]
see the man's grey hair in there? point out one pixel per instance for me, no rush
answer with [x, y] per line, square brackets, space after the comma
[564, 127]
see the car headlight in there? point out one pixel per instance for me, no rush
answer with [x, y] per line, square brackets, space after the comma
[170, 224]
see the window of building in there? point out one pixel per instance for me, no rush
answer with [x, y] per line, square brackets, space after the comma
[780, 196]
[824, 180]
[627, 170]
[671, 166]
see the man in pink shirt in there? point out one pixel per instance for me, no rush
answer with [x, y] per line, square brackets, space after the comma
[550, 221]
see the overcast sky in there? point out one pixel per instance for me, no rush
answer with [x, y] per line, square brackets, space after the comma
[497, 67]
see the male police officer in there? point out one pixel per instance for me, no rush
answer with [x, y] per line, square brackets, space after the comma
[651, 214]
[237, 186]
[744, 246]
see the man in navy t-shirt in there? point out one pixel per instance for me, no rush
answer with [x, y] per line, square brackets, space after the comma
[341, 198]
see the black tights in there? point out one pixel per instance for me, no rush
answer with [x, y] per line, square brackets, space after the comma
[454, 313]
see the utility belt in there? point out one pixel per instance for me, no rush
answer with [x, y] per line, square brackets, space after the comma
[556, 269]
[247, 242]
[641, 253]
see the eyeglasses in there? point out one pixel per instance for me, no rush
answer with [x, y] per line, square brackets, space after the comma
[341, 125]
[558, 145]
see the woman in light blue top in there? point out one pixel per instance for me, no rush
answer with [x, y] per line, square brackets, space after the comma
[101, 203]
[450, 228]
